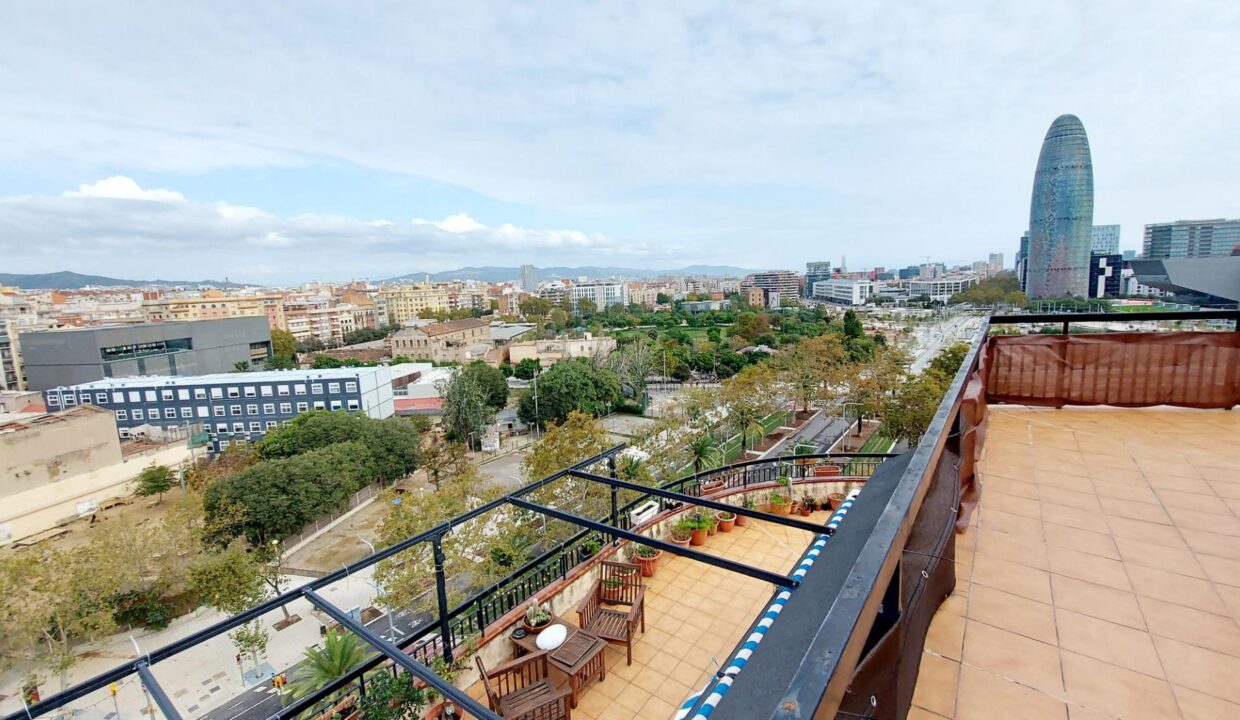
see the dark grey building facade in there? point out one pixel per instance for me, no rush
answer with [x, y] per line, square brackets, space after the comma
[57, 358]
[1212, 280]
[1061, 213]
[1104, 274]
[1191, 239]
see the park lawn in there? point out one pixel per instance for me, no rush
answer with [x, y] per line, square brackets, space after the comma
[876, 443]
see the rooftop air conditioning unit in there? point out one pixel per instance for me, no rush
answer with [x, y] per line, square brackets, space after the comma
[643, 513]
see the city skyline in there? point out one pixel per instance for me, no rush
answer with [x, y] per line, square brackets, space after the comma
[648, 137]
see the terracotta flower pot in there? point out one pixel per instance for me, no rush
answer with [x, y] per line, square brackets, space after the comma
[741, 521]
[535, 629]
[698, 537]
[725, 525]
[649, 564]
[837, 499]
[805, 511]
[675, 541]
[781, 508]
[612, 594]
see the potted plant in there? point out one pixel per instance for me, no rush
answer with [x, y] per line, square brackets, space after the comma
[648, 558]
[711, 487]
[811, 503]
[780, 504]
[837, 499]
[712, 525]
[443, 708]
[699, 527]
[726, 520]
[537, 616]
[805, 508]
[613, 587]
[590, 547]
[748, 504]
[681, 533]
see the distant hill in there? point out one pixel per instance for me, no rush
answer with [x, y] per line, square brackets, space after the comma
[66, 280]
[502, 274]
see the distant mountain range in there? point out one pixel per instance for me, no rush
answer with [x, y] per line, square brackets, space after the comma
[66, 280]
[502, 274]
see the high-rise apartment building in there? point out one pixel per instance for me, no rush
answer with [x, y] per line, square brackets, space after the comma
[1104, 274]
[1022, 260]
[784, 282]
[603, 294]
[996, 262]
[1104, 240]
[1191, 238]
[408, 301]
[529, 278]
[816, 272]
[1061, 213]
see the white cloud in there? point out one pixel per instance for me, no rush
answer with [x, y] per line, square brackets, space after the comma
[170, 236]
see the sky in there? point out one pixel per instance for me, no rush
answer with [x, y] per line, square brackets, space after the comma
[282, 142]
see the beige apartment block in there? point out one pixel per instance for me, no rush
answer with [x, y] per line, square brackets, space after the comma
[212, 307]
[549, 352]
[454, 341]
[409, 301]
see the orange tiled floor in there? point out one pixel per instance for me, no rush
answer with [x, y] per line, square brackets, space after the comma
[695, 615]
[1102, 576]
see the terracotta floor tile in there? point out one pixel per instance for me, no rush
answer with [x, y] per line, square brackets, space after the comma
[1018, 488]
[1225, 489]
[1181, 484]
[656, 709]
[1172, 559]
[1055, 479]
[1022, 549]
[1013, 656]
[1075, 517]
[1098, 601]
[1008, 576]
[1209, 522]
[616, 712]
[1006, 522]
[1210, 503]
[1220, 474]
[984, 696]
[1013, 504]
[1221, 570]
[1231, 598]
[1199, 669]
[1106, 641]
[1070, 498]
[1178, 589]
[1199, 706]
[1149, 532]
[1116, 691]
[1013, 613]
[1208, 543]
[1153, 468]
[1137, 492]
[1134, 509]
[1084, 566]
[1220, 633]
[936, 684]
[1093, 543]
[945, 635]
[1080, 712]
[916, 713]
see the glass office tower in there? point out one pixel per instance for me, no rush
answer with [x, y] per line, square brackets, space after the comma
[1061, 215]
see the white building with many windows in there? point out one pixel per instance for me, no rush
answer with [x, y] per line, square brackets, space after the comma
[237, 407]
[844, 291]
[942, 288]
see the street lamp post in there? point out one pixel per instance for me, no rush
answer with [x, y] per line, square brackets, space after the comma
[537, 417]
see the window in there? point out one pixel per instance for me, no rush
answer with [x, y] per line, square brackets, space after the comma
[200, 393]
[350, 387]
[282, 389]
[170, 413]
[123, 432]
[251, 391]
[122, 415]
[70, 400]
[335, 404]
[265, 390]
[286, 408]
[318, 404]
[316, 388]
[138, 414]
[221, 427]
[150, 396]
[299, 389]
[217, 393]
[238, 427]
[353, 405]
[187, 412]
[269, 408]
[165, 394]
[223, 444]
[101, 397]
[203, 411]
[251, 409]
[234, 392]
[302, 407]
[271, 424]
[135, 396]
[333, 388]
[219, 410]
[183, 394]
[256, 426]
[53, 400]
[234, 409]
[118, 397]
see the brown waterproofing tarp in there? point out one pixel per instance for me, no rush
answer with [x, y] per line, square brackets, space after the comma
[1197, 370]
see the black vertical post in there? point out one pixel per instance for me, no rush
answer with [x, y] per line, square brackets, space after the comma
[441, 591]
[1065, 327]
[615, 508]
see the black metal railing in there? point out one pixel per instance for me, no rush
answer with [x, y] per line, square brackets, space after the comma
[1067, 320]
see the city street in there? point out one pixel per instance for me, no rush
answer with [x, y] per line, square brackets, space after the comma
[928, 340]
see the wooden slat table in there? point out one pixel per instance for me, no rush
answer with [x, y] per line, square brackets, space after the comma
[580, 656]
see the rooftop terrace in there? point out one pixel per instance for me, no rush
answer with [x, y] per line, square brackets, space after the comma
[1100, 577]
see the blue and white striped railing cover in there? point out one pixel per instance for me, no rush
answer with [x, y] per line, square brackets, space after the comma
[723, 680]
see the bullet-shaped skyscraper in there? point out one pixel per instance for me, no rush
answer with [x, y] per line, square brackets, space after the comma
[1061, 215]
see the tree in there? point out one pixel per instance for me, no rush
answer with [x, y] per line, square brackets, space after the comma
[283, 346]
[464, 411]
[586, 307]
[534, 307]
[441, 459]
[813, 367]
[558, 315]
[526, 369]
[154, 480]
[310, 344]
[231, 581]
[491, 381]
[852, 326]
[752, 325]
[578, 437]
[392, 697]
[703, 452]
[944, 365]
[662, 298]
[575, 385]
[341, 652]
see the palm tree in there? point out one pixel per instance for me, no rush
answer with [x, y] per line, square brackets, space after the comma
[703, 452]
[749, 423]
[341, 652]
